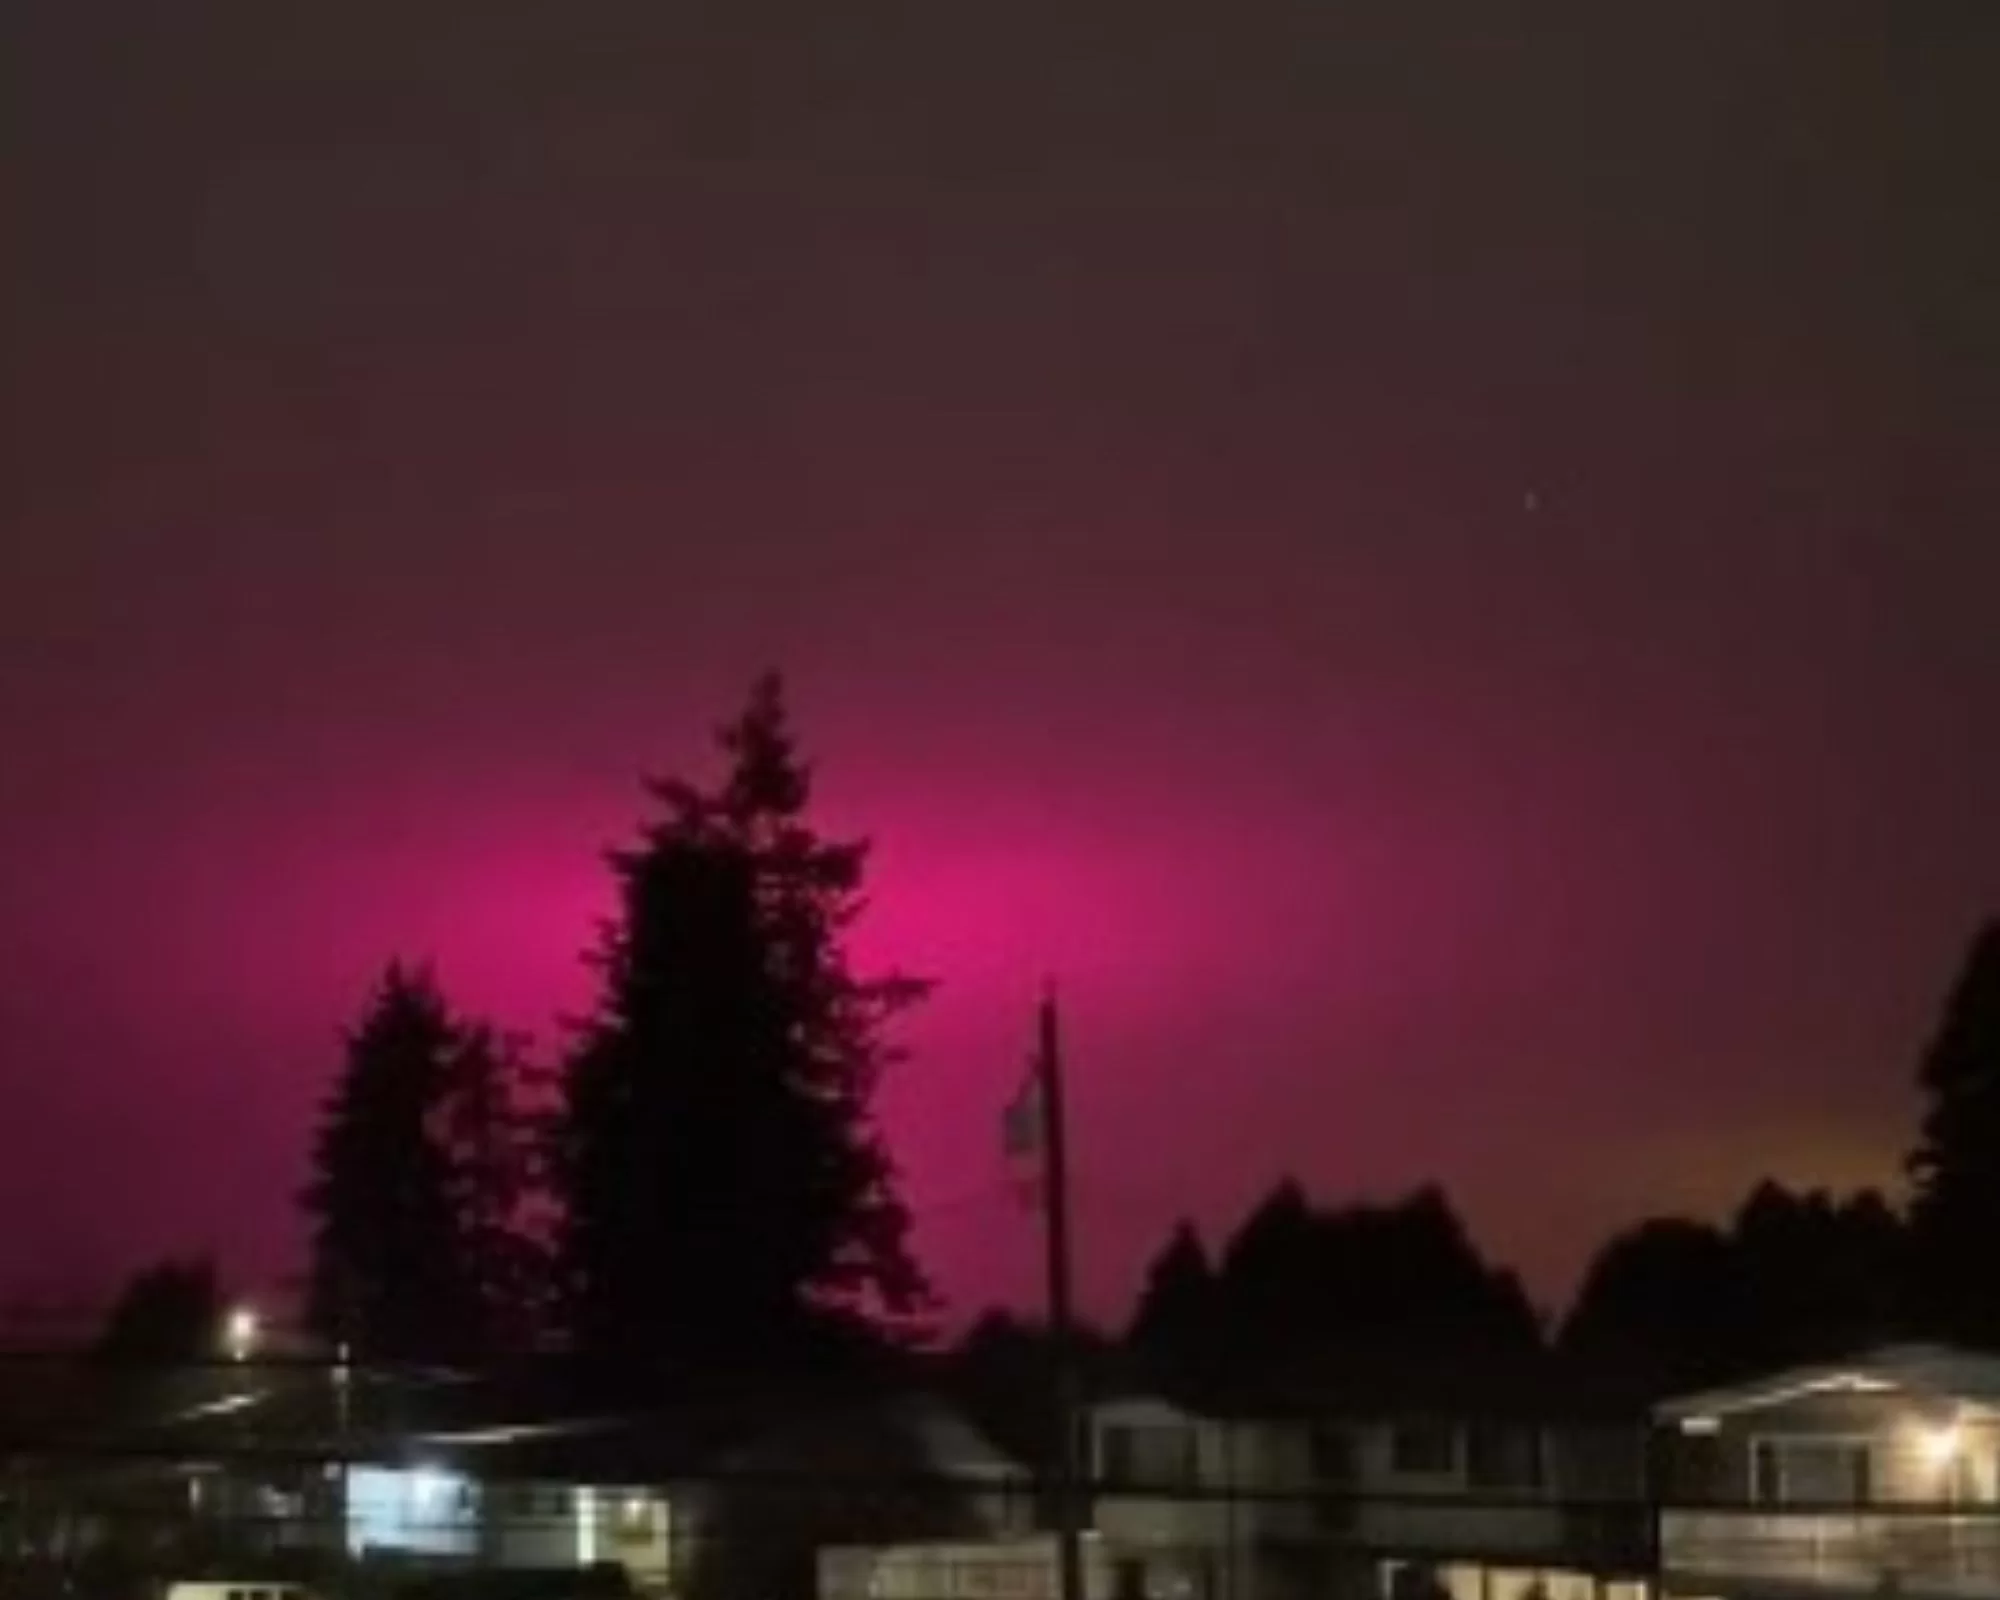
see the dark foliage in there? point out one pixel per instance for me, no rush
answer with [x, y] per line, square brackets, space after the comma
[487, 1125]
[1795, 1277]
[420, 1171]
[171, 1312]
[1175, 1331]
[1660, 1311]
[1002, 1375]
[1823, 1275]
[1955, 1167]
[726, 1198]
[1336, 1305]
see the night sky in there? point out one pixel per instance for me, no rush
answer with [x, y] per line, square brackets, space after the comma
[1440, 571]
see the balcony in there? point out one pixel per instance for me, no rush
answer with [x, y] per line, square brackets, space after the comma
[1909, 1552]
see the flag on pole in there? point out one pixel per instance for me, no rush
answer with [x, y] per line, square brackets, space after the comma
[1021, 1122]
[1023, 1131]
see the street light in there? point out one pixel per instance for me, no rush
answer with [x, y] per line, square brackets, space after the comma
[239, 1333]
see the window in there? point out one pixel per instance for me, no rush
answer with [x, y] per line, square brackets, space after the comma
[1151, 1457]
[1975, 1477]
[1423, 1450]
[1764, 1486]
[1330, 1455]
[1811, 1472]
[1499, 1457]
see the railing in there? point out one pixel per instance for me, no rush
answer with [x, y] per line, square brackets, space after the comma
[1913, 1552]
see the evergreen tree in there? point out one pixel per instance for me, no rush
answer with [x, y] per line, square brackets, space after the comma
[1362, 1301]
[1955, 1168]
[492, 1162]
[410, 1189]
[1264, 1278]
[171, 1312]
[1822, 1276]
[727, 1201]
[1406, 1288]
[1173, 1331]
[1001, 1375]
[1662, 1310]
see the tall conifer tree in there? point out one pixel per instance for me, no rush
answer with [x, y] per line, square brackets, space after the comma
[417, 1174]
[1955, 1168]
[728, 1204]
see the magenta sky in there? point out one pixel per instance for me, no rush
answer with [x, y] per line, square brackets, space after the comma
[1443, 580]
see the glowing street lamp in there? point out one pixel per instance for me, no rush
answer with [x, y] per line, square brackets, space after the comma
[239, 1333]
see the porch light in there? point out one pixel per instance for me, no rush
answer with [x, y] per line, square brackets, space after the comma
[1940, 1446]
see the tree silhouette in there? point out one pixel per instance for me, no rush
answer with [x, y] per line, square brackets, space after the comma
[1795, 1277]
[726, 1198]
[1661, 1309]
[169, 1312]
[1821, 1276]
[1001, 1374]
[493, 1168]
[1173, 1327]
[1955, 1167]
[1266, 1279]
[1337, 1304]
[416, 1178]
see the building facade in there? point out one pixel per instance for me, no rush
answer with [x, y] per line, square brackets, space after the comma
[1878, 1475]
[1262, 1508]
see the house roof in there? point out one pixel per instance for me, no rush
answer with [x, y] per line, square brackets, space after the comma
[947, 1439]
[1359, 1386]
[1940, 1371]
[914, 1433]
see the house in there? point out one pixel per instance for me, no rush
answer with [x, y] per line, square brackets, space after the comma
[298, 1464]
[1265, 1505]
[1212, 1505]
[1155, 1534]
[665, 1497]
[839, 1500]
[1492, 1505]
[1880, 1473]
[567, 1493]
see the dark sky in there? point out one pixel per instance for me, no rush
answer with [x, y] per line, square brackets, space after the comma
[1440, 569]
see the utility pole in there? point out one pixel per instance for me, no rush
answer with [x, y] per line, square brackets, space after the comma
[343, 1432]
[1062, 1329]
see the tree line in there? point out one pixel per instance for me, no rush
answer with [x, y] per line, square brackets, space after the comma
[1394, 1301]
[693, 1185]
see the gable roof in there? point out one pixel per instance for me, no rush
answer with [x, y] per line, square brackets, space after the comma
[1935, 1371]
[949, 1440]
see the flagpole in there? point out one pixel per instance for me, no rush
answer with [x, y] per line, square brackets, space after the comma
[1062, 1331]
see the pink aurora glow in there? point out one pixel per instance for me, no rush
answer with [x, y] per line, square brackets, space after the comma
[1446, 594]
